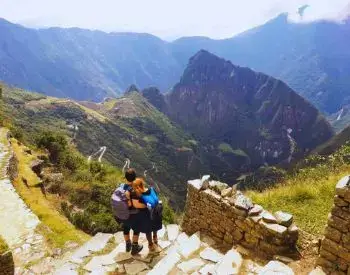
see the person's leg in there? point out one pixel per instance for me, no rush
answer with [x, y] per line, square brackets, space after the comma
[155, 237]
[135, 248]
[126, 232]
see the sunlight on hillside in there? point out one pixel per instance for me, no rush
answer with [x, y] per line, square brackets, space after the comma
[56, 228]
[308, 196]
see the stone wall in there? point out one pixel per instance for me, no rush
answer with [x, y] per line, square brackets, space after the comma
[335, 246]
[229, 217]
[7, 266]
[12, 168]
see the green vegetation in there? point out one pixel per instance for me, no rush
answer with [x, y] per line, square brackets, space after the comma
[308, 192]
[87, 186]
[225, 148]
[55, 228]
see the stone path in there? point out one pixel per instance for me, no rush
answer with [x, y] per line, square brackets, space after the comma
[18, 223]
[181, 254]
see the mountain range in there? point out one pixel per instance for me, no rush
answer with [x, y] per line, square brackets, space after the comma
[312, 58]
[219, 118]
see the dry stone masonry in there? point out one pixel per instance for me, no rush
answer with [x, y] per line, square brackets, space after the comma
[229, 217]
[335, 247]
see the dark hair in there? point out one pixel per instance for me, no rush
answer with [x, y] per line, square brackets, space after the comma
[130, 174]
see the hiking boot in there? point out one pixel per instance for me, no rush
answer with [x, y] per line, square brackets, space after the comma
[154, 249]
[128, 246]
[136, 248]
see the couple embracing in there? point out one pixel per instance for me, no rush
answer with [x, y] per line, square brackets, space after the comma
[138, 208]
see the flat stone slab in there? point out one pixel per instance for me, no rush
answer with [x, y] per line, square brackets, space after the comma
[275, 228]
[207, 269]
[242, 202]
[135, 267]
[95, 244]
[342, 186]
[173, 231]
[256, 210]
[317, 271]
[119, 237]
[191, 265]
[115, 256]
[276, 268]
[187, 248]
[67, 268]
[164, 244]
[161, 233]
[211, 254]
[284, 218]
[268, 217]
[165, 265]
[230, 264]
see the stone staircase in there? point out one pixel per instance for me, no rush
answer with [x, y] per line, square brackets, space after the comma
[180, 254]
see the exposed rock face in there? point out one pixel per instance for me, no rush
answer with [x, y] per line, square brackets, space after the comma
[154, 96]
[335, 248]
[236, 220]
[250, 111]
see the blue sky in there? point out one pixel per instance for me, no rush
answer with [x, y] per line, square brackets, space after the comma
[166, 19]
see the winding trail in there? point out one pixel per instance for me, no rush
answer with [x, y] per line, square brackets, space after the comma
[18, 222]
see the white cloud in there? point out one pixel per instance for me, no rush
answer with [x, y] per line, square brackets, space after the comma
[165, 18]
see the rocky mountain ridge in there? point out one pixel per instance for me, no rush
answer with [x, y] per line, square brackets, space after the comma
[244, 118]
[312, 58]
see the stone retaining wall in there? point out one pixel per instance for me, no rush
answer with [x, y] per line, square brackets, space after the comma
[230, 217]
[7, 266]
[335, 246]
[12, 168]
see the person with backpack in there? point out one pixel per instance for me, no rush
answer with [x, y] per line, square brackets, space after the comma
[125, 213]
[149, 219]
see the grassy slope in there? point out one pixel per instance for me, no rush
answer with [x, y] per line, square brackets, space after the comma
[308, 193]
[146, 137]
[56, 228]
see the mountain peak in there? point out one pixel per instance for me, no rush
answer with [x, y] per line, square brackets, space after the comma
[132, 88]
[203, 56]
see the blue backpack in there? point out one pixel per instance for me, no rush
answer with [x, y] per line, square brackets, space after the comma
[151, 199]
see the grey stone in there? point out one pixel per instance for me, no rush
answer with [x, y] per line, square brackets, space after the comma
[195, 183]
[268, 217]
[207, 269]
[275, 228]
[119, 237]
[230, 264]
[342, 186]
[226, 192]
[283, 259]
[135, 267]
[165, 265]
[217, 186]
[242, 202]
[256, 210]
[317, 271]
[191, 265]
[187, 248]
[211, 254]
[173, 231]
[284, 218]
[276, 268]
[164, 244]
[67, 268]
[95, 244]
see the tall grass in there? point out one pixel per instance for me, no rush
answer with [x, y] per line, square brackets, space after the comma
[308, 192]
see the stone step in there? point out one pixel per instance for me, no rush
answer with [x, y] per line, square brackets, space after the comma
[95, 244]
